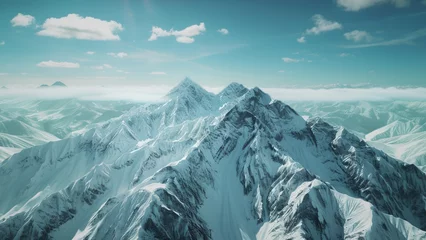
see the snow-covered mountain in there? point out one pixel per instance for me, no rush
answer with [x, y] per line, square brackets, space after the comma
[396, 127]
[27, 123]
[236, 165]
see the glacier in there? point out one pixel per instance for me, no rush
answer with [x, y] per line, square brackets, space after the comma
[232, 165]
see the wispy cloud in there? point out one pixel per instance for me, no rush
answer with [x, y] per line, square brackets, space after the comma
[183, 36]
[2, 43]
[407, 40]
[3, 74]
[90, 53]
[358, 36]
[344, 54]
[102, 67]
[85, 28]
[160, 57]
[323, 25]
[158, 73]
[291, 60]
[52, 64]
[118, 55]
[22, 20]
[301, 40]
[356, 5]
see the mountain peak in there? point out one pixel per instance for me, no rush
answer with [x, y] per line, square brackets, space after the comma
[59, 84]
[257, 93]
[186, 86]
[233, 90]
[43, 86]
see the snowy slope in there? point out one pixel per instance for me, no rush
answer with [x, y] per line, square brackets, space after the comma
[395, 127]
[27, 123]
[237, 165]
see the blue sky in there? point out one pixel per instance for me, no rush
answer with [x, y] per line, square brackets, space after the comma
[268, 44]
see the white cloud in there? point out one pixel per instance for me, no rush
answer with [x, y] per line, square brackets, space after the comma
[344, 55]
[2, 43]
[301, 39]
[158, 73]
[323, 25]
[138, 93]
[90, 53]
[52, 64]
[291, 60]
[183, 36]
[85, 28]
[102, 67]
[346, 94]
[4, 74]
[121, 71]
[156, 92]
[408, 39]
[356, 5]
[225, 31]
[358, 36]
[22, 20]
[118, 55]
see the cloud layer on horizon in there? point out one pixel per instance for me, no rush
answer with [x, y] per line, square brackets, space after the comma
[155, 93]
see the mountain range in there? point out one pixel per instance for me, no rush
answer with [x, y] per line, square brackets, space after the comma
[232, 165]
[27, 123]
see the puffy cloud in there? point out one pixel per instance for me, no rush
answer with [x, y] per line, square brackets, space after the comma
[356, 5]
[224, 31]
[85, 28]
[52, 64]
[22, 20]
[323, 25]
[291, 60]
[301, 40]
[358, 36]
[183, 36]
[118, 55]
[90, 53]
[158, 73]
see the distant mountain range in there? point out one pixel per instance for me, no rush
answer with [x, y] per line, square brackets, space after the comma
[27, 123]
[55, 84]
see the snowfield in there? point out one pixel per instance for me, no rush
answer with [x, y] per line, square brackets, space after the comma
[232, 165]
